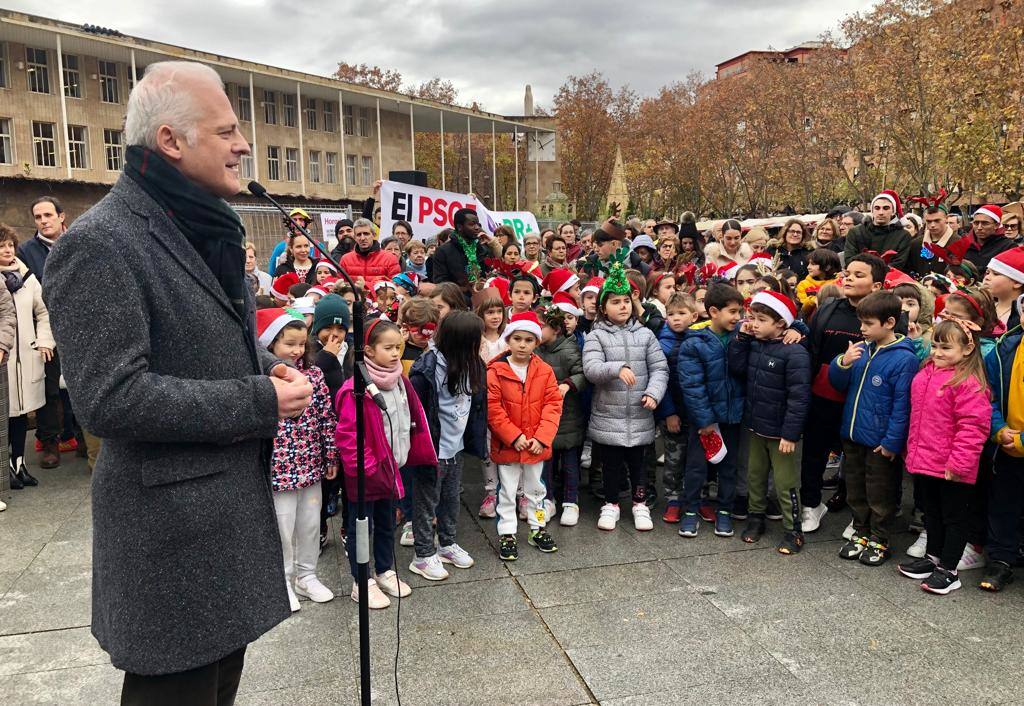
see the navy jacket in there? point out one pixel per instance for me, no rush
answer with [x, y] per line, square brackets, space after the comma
[778, 385]
[877, 387]
[422, 376]
[672, 402]
[998, 368]
[33, 253]
[710, 393]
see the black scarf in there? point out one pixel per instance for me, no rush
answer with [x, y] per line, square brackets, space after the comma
[209, 224]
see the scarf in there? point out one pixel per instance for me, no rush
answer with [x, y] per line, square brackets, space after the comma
[469, 249]
[206, 221]
[384, 378]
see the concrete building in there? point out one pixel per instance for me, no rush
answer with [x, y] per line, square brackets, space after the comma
[737, 65]
[316, 141]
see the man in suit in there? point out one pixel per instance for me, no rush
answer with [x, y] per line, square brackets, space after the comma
[148, 303]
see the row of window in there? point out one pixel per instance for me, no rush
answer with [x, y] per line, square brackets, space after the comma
[354, 121]
[37, 75]
[323, 167]
[45, 151]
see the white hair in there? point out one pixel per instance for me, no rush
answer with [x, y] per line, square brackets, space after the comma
[163, 97]
[364, 223]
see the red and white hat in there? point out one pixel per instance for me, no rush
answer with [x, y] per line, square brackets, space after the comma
[269, 323]
[279, 288]
[893, 198]
[304, 305]
[501, 284]
[566, 303]
[524, 321]
[728, 270]
[560, 280]
[594, 285]
[779, 303]
[760, 256]
[1009, 264]
[326, 264]
[324, 288]
[992, 211]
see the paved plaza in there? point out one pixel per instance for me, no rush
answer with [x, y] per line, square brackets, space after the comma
[611, 618]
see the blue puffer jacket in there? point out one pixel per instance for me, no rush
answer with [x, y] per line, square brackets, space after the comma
[877, 386]
[778, 385]
[998, 369]
[672, 402]
[710, 393]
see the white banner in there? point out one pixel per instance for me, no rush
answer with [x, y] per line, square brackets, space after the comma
[430, 211]
[327, 222]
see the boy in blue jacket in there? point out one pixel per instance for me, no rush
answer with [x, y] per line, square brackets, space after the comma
[680, 313]
[713, 399]
[876, 376]
[778, 396]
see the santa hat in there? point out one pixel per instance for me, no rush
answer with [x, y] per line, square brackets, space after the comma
[760, 256]
[328, 264]
[728, 270]
[893, 198]
[381, 284]
[566, 303]
[304, 305]
[779, 303]
[992, 211]
[269, 323]
[410, 281]
[1009, 264]
[282, 284]
[502, 285]
[560, 280]
[594, 285]
[524, 321]
[895, 278]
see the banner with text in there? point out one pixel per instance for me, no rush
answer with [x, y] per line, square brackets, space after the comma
[432, 210]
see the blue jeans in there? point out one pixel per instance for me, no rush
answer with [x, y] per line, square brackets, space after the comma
[697, 469]
[382, 534]
[436, 494]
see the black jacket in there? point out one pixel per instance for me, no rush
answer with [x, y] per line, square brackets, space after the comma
[979, 255]
[778, 381]
[335, 373]
[286, 267]
[448, 263]
[868, 236]
[795, 260]
[33, 253]
[422, 376]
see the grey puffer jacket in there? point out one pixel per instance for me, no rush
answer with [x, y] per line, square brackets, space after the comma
[616, 417]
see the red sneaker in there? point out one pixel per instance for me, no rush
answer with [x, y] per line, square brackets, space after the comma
[39, 446]
[68, 446]
[706, 512]
[672, 514]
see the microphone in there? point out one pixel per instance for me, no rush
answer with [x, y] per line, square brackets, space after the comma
[371, 388]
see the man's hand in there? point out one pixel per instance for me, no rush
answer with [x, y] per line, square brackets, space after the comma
[673, 423]
[885, 452]
[853, 353]
[563, 389]
[333, 345]
[648, 402]
[47, 354]
[293, 391]
[535, 447]
[520, 443]
[627, 376]
[332, 472]
[786, 447]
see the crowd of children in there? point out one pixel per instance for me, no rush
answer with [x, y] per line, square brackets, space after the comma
[754, 380]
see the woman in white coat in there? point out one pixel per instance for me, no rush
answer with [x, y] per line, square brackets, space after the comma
[33, 346]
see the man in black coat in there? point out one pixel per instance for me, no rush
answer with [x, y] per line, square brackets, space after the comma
[450, 262]
[987, 237]
[882, 233]
[147, 299]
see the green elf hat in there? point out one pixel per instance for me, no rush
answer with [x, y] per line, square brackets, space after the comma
[616, 282]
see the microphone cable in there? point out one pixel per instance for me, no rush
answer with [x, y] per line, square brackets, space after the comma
[398, 582]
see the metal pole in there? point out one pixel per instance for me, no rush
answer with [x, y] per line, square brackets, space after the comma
[252, 119]
[412, 134]
[442, 151]
[64, 107]
[344, 159]
[494, 170]
[380, 150]
[469, 152]
[515, 148]
[362, 523]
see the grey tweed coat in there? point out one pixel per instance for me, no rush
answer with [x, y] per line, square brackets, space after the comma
[616, 415]
[187, 563]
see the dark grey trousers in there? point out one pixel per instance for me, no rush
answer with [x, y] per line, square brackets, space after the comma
[435, 492]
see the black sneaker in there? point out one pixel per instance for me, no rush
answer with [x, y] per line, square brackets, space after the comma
[792, 543]
[542, 540]
[754, 530]
[740, 507]
[774, 511]
[874, 554]
[917, 569]
[853, 548]
[838, 501]
[941, 582]
[651, 497]
[508, 549]
[998, 577]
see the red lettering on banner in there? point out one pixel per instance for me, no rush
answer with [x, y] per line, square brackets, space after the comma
[439, 211]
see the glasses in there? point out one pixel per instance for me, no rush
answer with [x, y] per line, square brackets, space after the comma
[796, 231]
[1012, 226]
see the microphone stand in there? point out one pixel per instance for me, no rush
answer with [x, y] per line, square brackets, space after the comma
[359, 388]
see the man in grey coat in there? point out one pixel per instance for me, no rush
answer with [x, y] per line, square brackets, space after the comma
[148, 304]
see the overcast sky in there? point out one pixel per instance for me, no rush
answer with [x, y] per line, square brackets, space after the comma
[488, 48]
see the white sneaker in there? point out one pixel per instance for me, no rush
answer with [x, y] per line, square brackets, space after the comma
[375, 598]
[570, 515]
[429, 568]
[971, 559]
[311, 588]
[848, 532]
[609, 517]
[919, 548]
[642, 517]
[456, 556]
[407, 539]
[293, 600]
[550, 510]
[810, 519]
[3, 506]
[392, 585]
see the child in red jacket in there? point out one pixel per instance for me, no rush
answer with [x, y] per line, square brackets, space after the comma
[524, 407]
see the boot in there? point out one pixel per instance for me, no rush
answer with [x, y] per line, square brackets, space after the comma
[50, 456]
[23, 475]
[838, 500]
[16, 483]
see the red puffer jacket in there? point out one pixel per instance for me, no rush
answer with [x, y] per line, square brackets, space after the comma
[532, 409]
[372, 266]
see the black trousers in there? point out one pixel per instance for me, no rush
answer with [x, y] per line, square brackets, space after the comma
[17, 430]
[820, 438]
[947, 513]
[212, 685]
[620, 463]
[50, 417]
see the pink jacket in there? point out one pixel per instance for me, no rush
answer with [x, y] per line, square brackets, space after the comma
[948, 425]
[382, 478]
